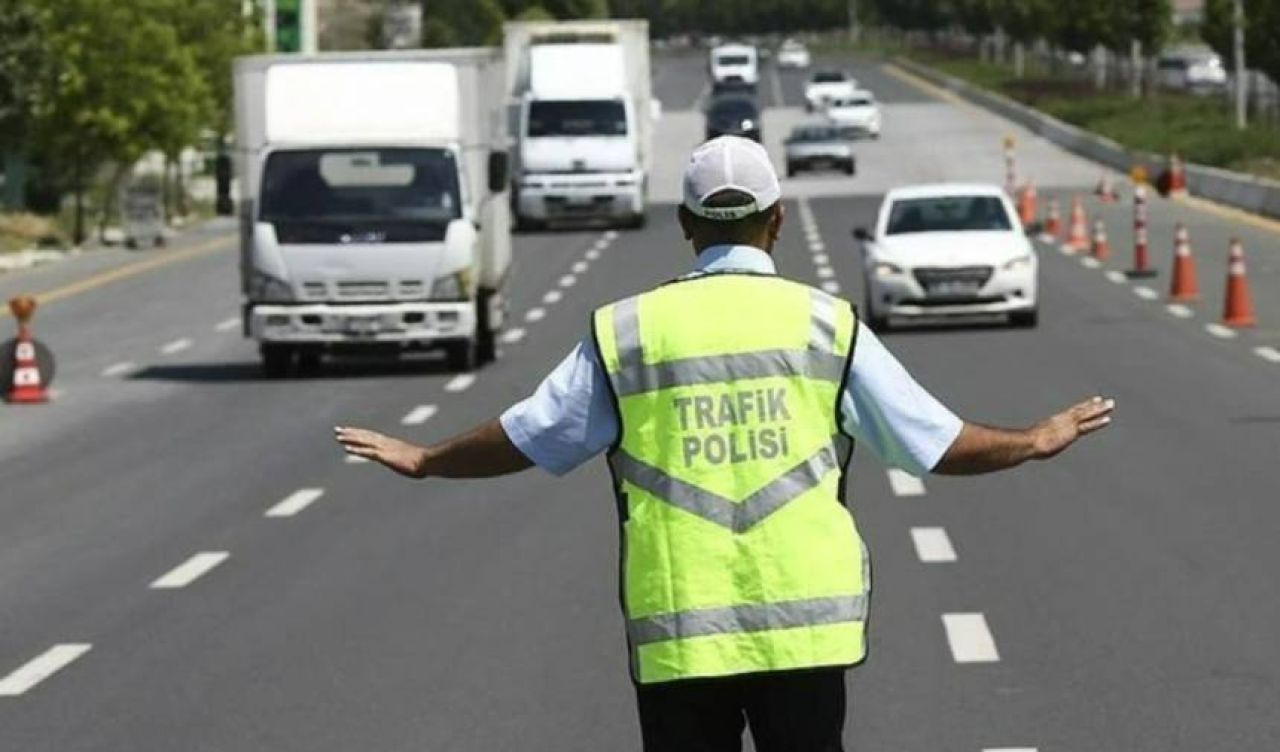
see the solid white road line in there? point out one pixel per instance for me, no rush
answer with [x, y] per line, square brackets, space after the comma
[1180, 311]
[295, 502]
[535, 314]
[41, 667]
[1268, 353]
[552, 297]
[831, 286]
[1146, 293]
[970, 639]
[932, 545]
[579, 267]
[190, 570]
[1220, 331]
[512, 335]
[227, 325]
[176, 346]
[419, 415]
[119, 369]
[825, 272]
[1117, 277]
[460, 383]
[904, 483]
[1090, 262]
[568, 280]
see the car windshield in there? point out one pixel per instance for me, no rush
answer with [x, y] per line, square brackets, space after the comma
[739, 108]
[733, 60]
[947, 214]
[604, 117]
[811, 135]
[828, 77]
[361, 186]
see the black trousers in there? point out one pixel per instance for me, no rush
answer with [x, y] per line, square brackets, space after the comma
[787, 711]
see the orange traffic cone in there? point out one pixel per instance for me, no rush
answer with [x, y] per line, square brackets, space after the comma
[28, 385]
[1027, 205]
[1101, 248]
[1078, 233]
[1106, 190]
[1141, 242]
[1053, 223]
[1184, 286]
[1177, 176]
[1238, 308]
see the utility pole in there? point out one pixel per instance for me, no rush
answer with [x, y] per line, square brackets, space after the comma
[853, 21]
[1242, 91]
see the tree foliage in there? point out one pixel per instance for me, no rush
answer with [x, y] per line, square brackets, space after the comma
[1261, 38]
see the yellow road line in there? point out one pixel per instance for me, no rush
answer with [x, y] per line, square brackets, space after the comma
[129, 270]
[1222, 211]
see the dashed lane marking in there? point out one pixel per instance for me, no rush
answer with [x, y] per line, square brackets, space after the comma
[1117, 277]
[41, 667]
[1146, 293]
[119, 369]
[970, 638]
[904, 483]
[611, 235]
[1267, 353]
[295, 502]
[535, 314]
[176, 346]
[568, 280]
[593, 254]
[1180, 311]
[821, 259]
[831, 286]
[1089, 262]
[512, 336]
[1010, 749]
[1220, 331]
[419, 415]
[932, 545]
[460, 383]
[190, 570]
[580, 267]
[227, 325]
[825, 272]
[552, 297]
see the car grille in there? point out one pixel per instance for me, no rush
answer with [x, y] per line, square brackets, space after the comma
[931, 276]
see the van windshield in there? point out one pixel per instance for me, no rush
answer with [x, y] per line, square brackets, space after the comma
[733, 60]
[603, 117]
[947, 214]
[383, 191]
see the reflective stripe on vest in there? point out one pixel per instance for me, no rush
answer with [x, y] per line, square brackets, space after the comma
[741, 559]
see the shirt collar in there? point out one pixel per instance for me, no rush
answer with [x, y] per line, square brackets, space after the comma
[735, 258]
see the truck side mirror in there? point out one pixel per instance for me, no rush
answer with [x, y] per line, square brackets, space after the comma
[498, 171]
[861, 234]
[222, 203]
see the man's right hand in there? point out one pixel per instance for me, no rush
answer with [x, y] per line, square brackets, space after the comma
[986, 449]
[1055, 434]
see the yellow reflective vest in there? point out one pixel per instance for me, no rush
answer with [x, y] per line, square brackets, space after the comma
[739, 554]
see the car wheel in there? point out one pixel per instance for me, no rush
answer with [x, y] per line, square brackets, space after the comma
[849, 168]
[309, 360]
[486, 338]
[277, 360]
[1025, 319]
[791, 170]
[877, 322]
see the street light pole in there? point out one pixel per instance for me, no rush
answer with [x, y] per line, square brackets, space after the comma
[1237, 35]
[853, 20]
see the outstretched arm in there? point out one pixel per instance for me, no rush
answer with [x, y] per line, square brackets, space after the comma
[984, 449]
[483, 452]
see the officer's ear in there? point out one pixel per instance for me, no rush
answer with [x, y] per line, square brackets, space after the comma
[685, 218]
[777, 216]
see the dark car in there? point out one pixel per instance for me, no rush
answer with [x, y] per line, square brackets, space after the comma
[733, 116]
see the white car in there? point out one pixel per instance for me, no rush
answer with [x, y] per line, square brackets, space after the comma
[734, 66]
[945, 250]
[823, 86]
[1192, 70]
[858, 111]
[793, 54]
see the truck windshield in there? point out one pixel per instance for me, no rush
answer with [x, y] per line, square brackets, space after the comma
[362, 190]
[603, 117]
[733, 60]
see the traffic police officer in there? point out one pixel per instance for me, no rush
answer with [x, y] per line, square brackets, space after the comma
[729, 400]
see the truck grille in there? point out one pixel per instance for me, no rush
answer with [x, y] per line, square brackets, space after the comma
[363, 289]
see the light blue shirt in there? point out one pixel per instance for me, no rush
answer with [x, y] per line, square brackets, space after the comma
[571, 418]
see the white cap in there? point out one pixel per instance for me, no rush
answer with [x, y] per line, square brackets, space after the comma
[730, 163]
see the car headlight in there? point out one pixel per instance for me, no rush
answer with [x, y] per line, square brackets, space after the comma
[264, 288]
[1018, 264]
[455, 287]
[885, 269]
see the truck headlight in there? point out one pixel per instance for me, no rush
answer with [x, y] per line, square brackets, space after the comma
[264, 288]
[884, 269]
[453, 287]
[1018, 264]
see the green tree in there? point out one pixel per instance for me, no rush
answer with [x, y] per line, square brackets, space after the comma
[450, 23]
[1261, 38]
[534, 13]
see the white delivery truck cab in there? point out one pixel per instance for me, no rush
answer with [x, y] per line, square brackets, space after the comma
[734, 66]
[582, 109]
[372, 208]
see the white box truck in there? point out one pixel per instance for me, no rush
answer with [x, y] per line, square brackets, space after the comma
[734, 66]
[583, 114]
[373, 207]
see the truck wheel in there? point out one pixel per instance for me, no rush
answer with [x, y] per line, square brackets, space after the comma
[309, 360]
[461, 356]
[486, 337]
[277, 361]
[638, 221]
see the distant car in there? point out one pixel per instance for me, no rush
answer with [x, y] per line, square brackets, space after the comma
[733, 116]
[858, 110]
[948, 249]
[826, 85]
[818, 147]
[1199, 71]
[793, 54]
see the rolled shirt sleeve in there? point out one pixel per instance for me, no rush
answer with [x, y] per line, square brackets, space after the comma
[885, 408]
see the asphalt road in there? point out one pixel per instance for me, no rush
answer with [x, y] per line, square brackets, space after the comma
[1120, 597]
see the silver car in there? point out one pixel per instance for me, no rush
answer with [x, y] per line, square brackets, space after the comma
[820, 147]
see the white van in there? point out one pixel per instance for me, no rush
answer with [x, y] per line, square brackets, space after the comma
[734, 66]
